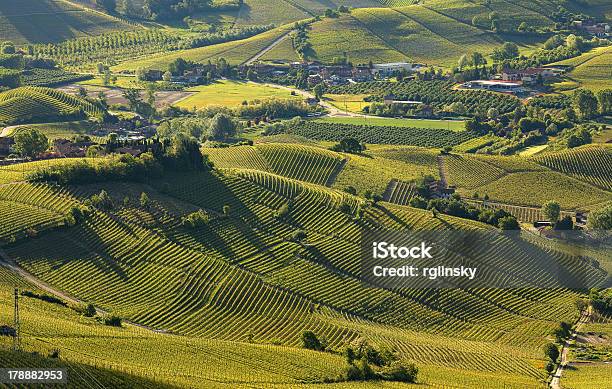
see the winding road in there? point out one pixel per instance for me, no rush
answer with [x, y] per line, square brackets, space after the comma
[584, 318]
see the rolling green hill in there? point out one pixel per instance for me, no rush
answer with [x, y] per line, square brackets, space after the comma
[50, 21]
[241, 291]
[35, 104]
[435, 32]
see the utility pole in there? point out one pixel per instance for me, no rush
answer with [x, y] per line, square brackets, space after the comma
[17, 337]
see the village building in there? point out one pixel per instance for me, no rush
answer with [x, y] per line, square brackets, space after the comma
[69, 149]
[527, 76]
[496, 86]
[362, 74]
[388, 69]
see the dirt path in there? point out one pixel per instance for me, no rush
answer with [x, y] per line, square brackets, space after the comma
[442, 171]
[555, 382]
[267, 48]
[9, 264]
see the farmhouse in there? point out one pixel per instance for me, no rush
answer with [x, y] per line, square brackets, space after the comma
[153, 75]
[496, 86]
[387, 69]
[362, 73]
[68, 148]
[527, 76]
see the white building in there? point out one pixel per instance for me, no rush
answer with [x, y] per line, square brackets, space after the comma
[387, 69]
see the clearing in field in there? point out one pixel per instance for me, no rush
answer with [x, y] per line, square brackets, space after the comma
[231, 93]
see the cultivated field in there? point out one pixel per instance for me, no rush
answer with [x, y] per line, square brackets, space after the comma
[231, 94]
[51, 21]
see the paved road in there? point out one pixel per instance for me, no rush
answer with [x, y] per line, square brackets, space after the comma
[555, 382]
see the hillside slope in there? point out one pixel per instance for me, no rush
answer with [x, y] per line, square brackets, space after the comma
[50, 21]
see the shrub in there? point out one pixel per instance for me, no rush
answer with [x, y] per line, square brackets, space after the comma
[400, 372]
[283, 211]
[196, 219]
[298, 236]
[114, 321]
[353, 373]
[551, 351]
[311, 341]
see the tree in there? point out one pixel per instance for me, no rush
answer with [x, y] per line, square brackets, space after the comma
[478, 59]
[178, 67]
[493, 113]
[508, 50]
[349, 145]
[141, 74]
[463, 62]
[222, 127]
[508, 223]
[89, 310]
[551, 211]
[82, 92]
[167, 76]
[522, 27]
[604, 98]
[551, 351]
[30, 142]
[8, 47]
[601, 219]
[109, 6]
[585, 103]
[310, 341]
[565, 224]
[144, 200]
[319, 90]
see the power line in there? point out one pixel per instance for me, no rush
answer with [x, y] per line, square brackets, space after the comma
[17, 336]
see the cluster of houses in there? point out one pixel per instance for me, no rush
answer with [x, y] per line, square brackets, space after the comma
[130, 134]
[600, 30]
[332, 74]
[196, 75]
[515, 81]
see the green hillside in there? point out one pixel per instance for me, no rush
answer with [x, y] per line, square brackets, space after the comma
[50, 21]
[436, 32]
[36, 104]
[236, 52]
[142, 264]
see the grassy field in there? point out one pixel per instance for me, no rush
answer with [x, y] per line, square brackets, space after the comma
[50, 21]
[453, 125]
[231, 94]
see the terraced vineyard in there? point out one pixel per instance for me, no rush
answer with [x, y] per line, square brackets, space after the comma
[589, 163]
[399, 192]
[532, 184]
[48, 21]
[32, 104]
[423, 137]
[238, 278]
[523, 214]
[305, 163]
[235, 52]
